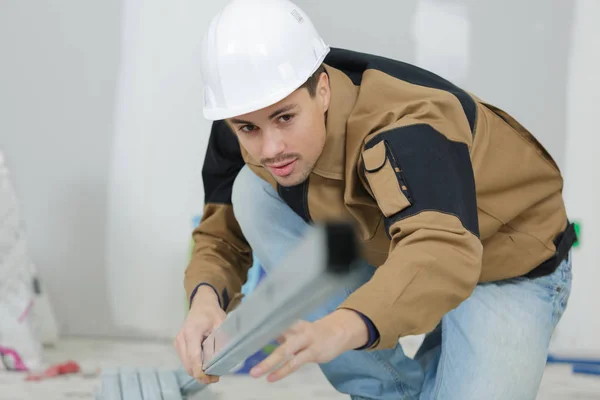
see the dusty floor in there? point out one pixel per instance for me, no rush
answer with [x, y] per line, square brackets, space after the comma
[558, 382]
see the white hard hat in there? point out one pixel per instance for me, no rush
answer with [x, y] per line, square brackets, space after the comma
[255, 53]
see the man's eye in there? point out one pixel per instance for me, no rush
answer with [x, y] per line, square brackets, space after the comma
[286, 118]
[248, 128]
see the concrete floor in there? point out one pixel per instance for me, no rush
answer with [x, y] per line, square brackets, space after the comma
[308, 383]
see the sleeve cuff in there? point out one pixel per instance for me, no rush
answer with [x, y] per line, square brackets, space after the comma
[225, 295]
[373, 332]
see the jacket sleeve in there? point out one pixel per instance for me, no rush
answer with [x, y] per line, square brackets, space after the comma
[221, 255]
[423, 183]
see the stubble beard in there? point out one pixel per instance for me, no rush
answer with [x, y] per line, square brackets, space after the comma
[305, 173]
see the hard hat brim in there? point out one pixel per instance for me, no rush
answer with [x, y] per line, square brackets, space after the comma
[215, 113]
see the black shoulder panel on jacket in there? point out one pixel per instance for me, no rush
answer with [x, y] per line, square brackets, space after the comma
[354, 64]
[222, 163]
[436, 171]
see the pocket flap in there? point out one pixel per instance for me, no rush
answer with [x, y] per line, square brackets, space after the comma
[374, 158]
[385, 180]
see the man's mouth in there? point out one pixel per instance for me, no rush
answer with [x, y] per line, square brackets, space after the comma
[283, 169]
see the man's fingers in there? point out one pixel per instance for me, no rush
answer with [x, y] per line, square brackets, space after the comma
[183, 355]
[276, 358]
[281, 355]
[293, 364]
[194, 351]
[297, 327]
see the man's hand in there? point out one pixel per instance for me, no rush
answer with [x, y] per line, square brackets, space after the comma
[317, 342]
[205, 316]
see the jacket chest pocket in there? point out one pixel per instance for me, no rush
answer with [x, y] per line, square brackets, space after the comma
[386, 182]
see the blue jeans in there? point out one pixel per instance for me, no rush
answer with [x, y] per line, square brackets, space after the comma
[492, 346]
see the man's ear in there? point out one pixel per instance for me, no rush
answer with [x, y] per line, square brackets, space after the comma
[324, 91]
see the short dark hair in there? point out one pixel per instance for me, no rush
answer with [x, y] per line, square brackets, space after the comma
[311, 83]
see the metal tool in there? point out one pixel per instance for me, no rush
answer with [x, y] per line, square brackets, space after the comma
[321, 266]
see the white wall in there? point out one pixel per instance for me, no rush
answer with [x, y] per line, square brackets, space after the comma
[579, 330]
[58, 69]
[517, 51]
[100, 121]
[155, 185]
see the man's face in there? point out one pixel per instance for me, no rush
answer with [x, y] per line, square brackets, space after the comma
[287, 137]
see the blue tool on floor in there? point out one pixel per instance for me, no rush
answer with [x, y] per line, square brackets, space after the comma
[588, 369]
[588, 366]
[568, 360]
[322, 266]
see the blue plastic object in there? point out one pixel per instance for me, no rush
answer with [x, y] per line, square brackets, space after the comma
[578, 361]
[588, 369]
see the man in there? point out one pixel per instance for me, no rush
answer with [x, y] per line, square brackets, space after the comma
[458, 207]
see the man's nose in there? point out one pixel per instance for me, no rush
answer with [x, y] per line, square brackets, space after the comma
[273, 144]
